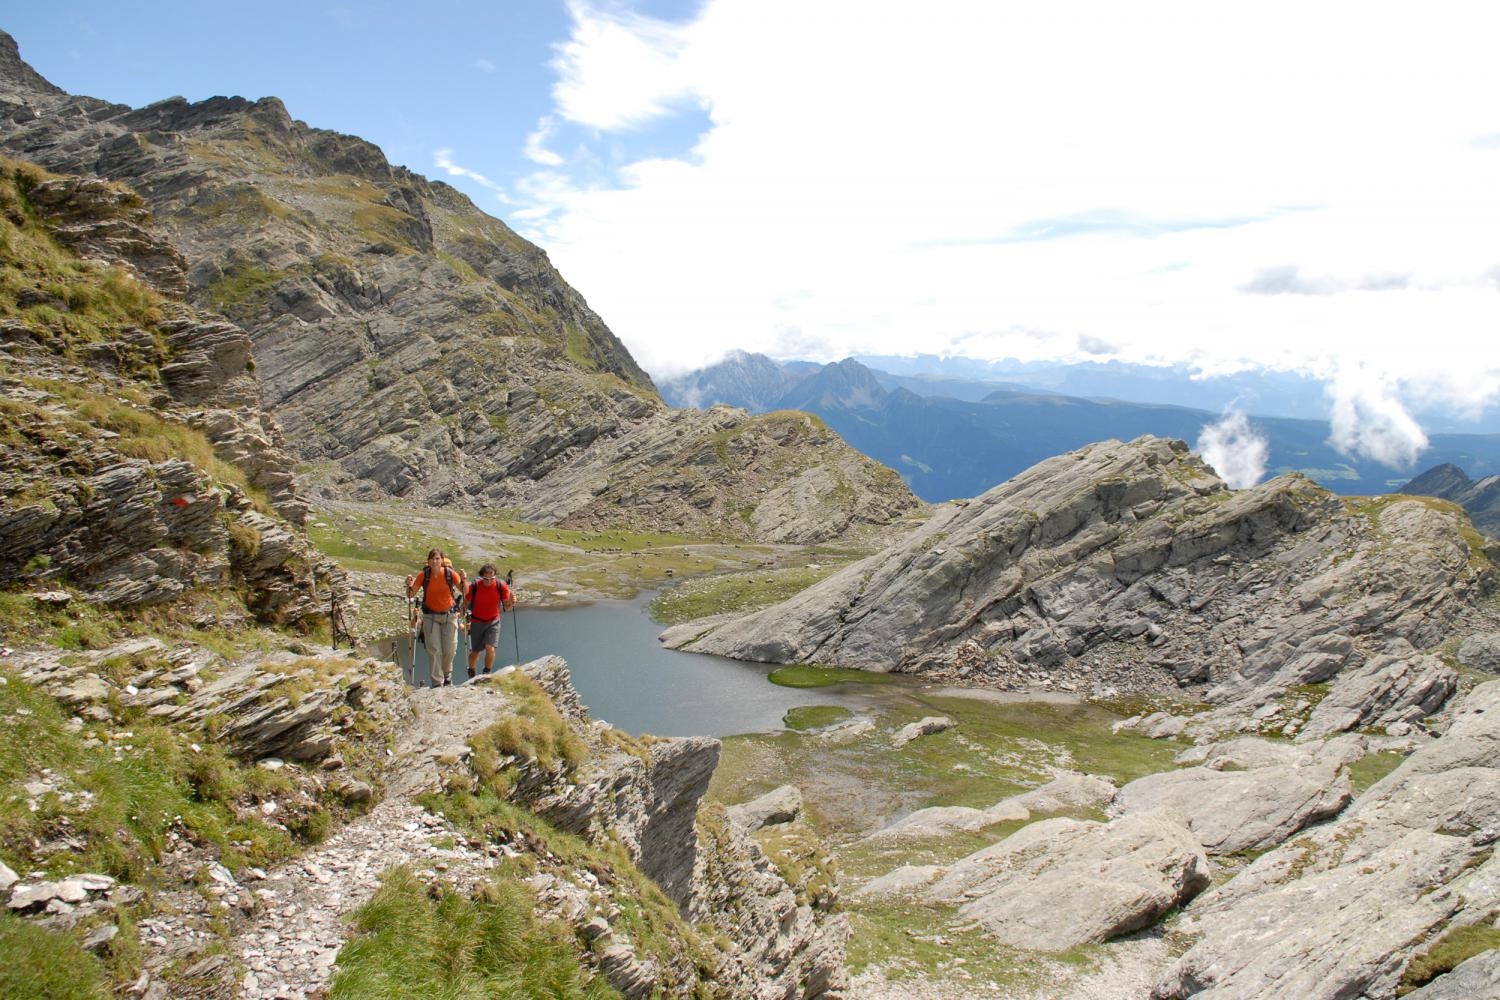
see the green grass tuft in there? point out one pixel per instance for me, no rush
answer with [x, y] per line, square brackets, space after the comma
[814, 716]
[41, 963]
[1448, 953]
[411, 944]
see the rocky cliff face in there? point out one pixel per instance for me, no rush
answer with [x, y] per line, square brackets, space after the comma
[1129, 565]
[139, 463]
[409, 344]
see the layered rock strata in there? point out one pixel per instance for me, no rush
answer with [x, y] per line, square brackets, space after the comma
[704, 861]
[137, 452]
[1133, 565]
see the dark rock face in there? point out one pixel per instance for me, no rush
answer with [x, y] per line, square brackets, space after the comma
[1481, 498]
[408, 344]
[1133, 564]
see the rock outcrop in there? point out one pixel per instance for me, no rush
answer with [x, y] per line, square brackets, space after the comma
[1343, 909]
[139, 464]
[1232, 811]
[411, 345]
[779, 805]
[1059, 883]
[1132, 566]
[1480, 497]
[705, 862]
[1068, 791]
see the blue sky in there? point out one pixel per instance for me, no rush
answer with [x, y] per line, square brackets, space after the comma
[472, 78]
[1280, 185]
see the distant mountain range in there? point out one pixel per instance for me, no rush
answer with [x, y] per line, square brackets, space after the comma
[1277, 394]
[960, 445]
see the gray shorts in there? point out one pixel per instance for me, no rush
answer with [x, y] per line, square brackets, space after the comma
[482, 634]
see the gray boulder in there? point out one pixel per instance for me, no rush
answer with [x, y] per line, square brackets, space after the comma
[1340, 910]
[1481, 652]
[780, 805]
[898, 883]
[1230, 811]
[1060, 883]
[1069, 790]
[922, 727]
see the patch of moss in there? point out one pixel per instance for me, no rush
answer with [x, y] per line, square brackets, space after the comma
[807, 675]
[814, 716]
[1371, 768]
[1448, 952]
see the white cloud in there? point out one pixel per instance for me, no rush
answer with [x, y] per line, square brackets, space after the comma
[1041, 181]
[536, 149]
[1368, 419]
[1235, 450]
[484, 65]
[619, 69]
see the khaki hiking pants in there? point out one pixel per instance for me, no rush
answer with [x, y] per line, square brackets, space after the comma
[440, 633]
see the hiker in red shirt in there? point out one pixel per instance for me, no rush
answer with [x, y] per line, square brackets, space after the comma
[441, 586]
[486, 598]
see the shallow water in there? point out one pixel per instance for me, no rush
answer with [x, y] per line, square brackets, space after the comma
[630, 680]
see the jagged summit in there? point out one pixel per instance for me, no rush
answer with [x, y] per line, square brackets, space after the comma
[17, 78]
[411, 345]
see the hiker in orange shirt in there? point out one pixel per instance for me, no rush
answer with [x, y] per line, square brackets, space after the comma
[441, 587]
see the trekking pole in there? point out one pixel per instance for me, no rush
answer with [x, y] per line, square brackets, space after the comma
[515, 633]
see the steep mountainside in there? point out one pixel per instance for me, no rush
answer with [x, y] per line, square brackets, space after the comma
[409, 344]
[947, 447]
[138, 462]
[1481, 498]
[1132, 565]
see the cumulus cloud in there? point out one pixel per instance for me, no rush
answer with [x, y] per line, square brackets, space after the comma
[619, 68]
[833, 202]
[1235, 449]
[1095, 345]
[1369, 420]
